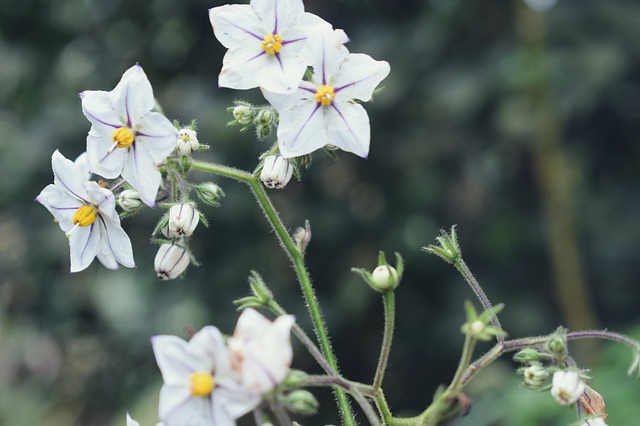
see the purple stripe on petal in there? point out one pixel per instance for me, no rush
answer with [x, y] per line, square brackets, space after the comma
[277, 55]
[86, 243]
[264, 52]
[307, 89]
[242, 29]
[105, 235]
[126, 105]
[178, 406]
[305, 123]
[285, 42]
[93, 117]
[346, 123]
[324, 71]
[69, 191]
[105, 157]
[275, 12]
[337, 89]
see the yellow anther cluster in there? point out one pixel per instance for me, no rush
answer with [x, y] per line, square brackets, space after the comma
[122, 137]
[324, 95]
[84, 216]
[272, 43]
[201, 384]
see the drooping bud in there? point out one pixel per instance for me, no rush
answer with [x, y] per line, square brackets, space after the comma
[129, 200]
[527, 355]
[534, 375]
[276, 172]
[171, 261]
[264, 117]
[187, 141]
[301, 402]
[567, 387]
[183, 219]
[209, 193]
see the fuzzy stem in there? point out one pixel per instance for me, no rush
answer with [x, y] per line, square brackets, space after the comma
[298, 262]
[389, 324]
[464, 270]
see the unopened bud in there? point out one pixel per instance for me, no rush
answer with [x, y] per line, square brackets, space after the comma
[526, 355]
[129, 200]
[264, 117]
[183, 219]
[534, 375]
[301, 402]
[384, 277]
[171, 261]
[187, 142]
[567, 387]
[276, 172]
[243, 114]
[209, 192]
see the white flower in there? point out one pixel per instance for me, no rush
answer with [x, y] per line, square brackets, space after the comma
[266, 41]
[183, 219]
[126, 138]
[323, 111]
[260, 350]
[567, 387]
[187, 142]
[276, 172]
[200, 388]
[87, 213]
[171, 261]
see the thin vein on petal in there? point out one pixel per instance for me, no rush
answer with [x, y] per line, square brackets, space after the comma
[305, 124]
[242, 29]
[275, 13]
[346, 123]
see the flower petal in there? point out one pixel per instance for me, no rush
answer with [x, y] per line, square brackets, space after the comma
[98, 107]
[327, 51]
[101, 161]
[107, 260]
[359, 75]
[348, 127]
[104, 200]
[236, 26]
[141, 172]
[84, 243]
[241, 67]
[116, 243]
[232, 399]
[133, 96]
[158, 135]
[131, 422]
[60, 204]
[68, 176]
[278, 15]
[178, 408]
[173, 359]
[207, 346]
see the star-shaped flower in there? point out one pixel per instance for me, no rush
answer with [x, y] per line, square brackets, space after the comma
[261, 350]
[325, 111]
[87, 213]
[266, 41]
[126, 137]
[200, 388]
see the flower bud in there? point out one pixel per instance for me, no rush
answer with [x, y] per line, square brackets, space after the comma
[187, 142]
[129, 200]
[567, 387]
[384, 277]
[526, 355]
[534, 375]
[557, 344]
[209, 193]
[183, 219]
[264, 117]
[276, 172]
[171, 261]
[243, 114]
[301, 402]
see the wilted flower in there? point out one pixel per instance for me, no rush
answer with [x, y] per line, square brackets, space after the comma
[567, 387]
[126, 138]
[87, 213]
[323, 111]
[276, 172]
[183, 219]
[260, 350]
[171, 261]
[200, 387]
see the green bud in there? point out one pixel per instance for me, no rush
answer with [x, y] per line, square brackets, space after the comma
[527, 355]
[243, 113]
[302, 237]
[557, 344]
[447, 248]
[209, 193]
[301, 402]
[295, 378]
[264, 117]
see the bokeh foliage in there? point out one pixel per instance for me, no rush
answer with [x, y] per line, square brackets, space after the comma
[454, 140]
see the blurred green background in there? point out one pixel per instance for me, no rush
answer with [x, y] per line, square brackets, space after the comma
[521, 127]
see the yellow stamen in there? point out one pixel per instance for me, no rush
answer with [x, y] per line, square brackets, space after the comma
[201, 384]
[324, 95]
[122, 137]
[84, 216]
[272, 43]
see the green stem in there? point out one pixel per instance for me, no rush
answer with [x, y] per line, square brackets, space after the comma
[298, 262]
[389, 324]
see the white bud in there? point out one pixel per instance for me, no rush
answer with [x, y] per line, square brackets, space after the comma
[264, 117]
[243, 114]
[171, 261]
[209, 192]
[129, 200]
[276, 172]
[183, 219]
[535, 375]
[187, 142]
[384, 277]
[567, 387]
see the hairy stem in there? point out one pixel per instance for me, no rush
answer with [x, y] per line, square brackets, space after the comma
[389, 324]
